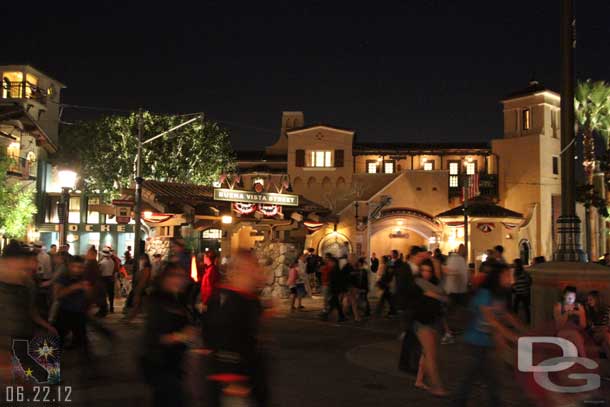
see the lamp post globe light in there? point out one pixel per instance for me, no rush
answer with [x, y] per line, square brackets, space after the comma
[67, 181]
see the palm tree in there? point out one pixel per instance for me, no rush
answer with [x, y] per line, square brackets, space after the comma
[592, 109]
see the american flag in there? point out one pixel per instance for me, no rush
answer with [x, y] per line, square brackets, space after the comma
[470, 189]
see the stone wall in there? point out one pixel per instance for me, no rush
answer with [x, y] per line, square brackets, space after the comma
[276, 259]
[157, 245]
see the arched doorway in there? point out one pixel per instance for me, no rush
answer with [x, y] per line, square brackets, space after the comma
[400, 228]
[525, 251]
[333, 243]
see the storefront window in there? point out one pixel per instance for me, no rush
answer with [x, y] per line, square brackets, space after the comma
[74, 215]
[93, 217]
[51, 213]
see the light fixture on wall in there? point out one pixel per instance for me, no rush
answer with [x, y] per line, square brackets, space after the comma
[226, 219]
[400, 222]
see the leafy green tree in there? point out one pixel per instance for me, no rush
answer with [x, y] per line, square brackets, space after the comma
[103, 151]
[17, 205]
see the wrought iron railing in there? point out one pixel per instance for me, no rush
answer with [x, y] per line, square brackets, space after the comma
[23, 167]
[23, 90]
[488, 185]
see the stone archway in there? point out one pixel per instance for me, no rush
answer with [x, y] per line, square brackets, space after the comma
[332, 243]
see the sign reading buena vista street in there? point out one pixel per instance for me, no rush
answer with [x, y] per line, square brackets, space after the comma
[235, 195]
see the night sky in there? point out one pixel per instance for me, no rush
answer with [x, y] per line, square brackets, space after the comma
[393, 71]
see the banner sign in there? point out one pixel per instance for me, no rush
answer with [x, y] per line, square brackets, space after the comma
[235, 195]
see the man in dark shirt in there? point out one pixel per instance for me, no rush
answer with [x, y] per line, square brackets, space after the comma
[71, 290]
[374, 263]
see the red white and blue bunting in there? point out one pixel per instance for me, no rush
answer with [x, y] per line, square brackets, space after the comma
[244, 208]
[313, 226]
[486, 227]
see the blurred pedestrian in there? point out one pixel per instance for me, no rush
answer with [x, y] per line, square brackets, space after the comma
[71, 290]
[231, 330]
[363, 286]
[490, 317]
[522, 290]
[385, 281]
[17, 301]
[108, 273]
[336, 288]
[167, 332]
[427, 323]
[141, 285]
[351, 274]
[211, 277]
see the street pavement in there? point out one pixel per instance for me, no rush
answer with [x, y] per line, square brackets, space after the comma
[314, 363]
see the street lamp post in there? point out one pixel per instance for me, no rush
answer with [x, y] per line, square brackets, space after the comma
[568, 224]
[67, 181]
[140, 181]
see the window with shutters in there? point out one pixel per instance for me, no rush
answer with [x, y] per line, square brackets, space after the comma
[339, 158]
[320, 158]
[300, 158]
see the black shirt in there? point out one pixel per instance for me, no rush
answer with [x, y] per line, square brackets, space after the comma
[230, 329]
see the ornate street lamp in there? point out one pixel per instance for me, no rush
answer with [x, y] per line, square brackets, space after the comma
[67, 181]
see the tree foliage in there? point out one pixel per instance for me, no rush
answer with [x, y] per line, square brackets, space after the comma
[16, 202]
[103, 151]
[592, 109]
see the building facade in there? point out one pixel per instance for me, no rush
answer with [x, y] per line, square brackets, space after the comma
[385, 196]
[29, 124]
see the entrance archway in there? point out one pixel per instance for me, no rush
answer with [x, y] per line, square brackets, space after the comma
[332, 243]
[399, 229]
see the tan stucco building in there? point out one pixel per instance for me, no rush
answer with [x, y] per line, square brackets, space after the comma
[387, 196]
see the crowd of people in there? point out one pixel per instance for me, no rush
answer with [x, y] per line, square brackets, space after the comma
[218, 313]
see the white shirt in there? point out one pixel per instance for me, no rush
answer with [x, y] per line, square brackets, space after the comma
[45, 268]
[456, 275]
[107, 266]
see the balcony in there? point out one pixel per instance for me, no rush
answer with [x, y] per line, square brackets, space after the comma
[488, 186]
[23, 90]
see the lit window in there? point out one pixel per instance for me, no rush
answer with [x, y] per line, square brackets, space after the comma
[12, 85]
[93, 216]
[388, 167]
[527, 119]
[371, 167]
[74, 215]
[454, 181]
[211, 234]
[471, 168]
[320, 159]
[13, 149]
[428, 165]
[454, 168]
[31, 86]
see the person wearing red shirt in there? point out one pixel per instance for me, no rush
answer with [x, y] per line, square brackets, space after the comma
[211, 277]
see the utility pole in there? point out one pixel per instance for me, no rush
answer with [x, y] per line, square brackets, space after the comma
[138, 203]
[568, 224]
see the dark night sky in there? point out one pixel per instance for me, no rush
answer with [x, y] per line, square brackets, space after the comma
[403, 71]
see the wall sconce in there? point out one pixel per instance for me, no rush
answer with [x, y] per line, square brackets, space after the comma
[508, 236]
[226, 219]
